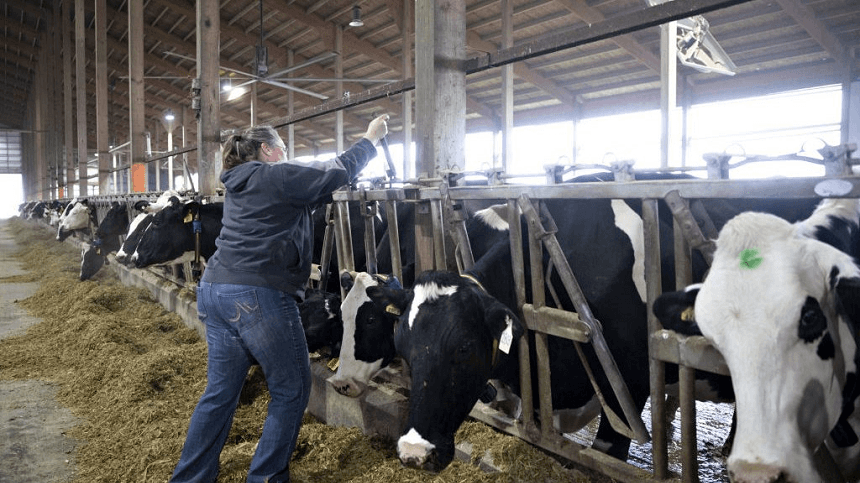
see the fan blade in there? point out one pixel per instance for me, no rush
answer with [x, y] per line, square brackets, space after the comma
[306, 63]
[192, 59]
[296, 89]
[331, 79]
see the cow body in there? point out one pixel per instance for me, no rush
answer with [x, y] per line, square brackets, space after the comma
[171, 235]
[141, 222]
[782, 305]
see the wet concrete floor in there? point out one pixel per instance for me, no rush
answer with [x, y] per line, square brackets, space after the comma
[33, 445]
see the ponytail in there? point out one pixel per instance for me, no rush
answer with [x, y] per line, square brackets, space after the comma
[243, 147]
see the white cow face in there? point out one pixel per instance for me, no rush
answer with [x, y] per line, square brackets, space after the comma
[368, 339]
[771, 305]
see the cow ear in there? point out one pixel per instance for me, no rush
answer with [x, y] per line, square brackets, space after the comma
[848, 294]
[189, 210]
[504, 324]
[675, 310]
[848, 303]
[346, 281]
[394, 301]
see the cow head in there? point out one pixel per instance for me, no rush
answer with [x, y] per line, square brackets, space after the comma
[135, 232]
[170, 235]
[783, 309]
[368, 334]
[320, 312]
[77, 217]
[92, 259]
[453, 336]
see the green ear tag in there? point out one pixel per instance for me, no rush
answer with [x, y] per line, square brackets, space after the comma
[750, 258]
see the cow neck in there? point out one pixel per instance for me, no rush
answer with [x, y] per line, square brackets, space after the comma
[495, 358]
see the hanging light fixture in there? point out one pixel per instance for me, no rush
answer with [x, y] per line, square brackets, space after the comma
[168, 115]
[356, 17]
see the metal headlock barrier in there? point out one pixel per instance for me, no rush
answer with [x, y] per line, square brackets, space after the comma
[443, 205]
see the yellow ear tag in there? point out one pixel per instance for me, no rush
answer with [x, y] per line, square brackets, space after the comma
[333, 364]
[392, 309]
[688, 315]
[188, 218]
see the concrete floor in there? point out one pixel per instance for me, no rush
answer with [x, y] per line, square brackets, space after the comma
[33, 446]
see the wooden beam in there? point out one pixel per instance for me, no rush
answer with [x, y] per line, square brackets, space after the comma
[591, 15]
[522, 71]
[805, 17]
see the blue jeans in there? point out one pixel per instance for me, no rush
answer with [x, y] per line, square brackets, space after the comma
[244, 325]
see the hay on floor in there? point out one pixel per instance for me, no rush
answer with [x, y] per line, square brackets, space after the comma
[133, 373]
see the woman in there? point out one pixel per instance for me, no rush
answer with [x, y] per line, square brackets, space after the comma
[247, 298]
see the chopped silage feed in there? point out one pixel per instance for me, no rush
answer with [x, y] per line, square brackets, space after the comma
[133, 372]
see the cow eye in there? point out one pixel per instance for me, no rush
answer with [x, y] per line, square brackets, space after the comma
[813, 323]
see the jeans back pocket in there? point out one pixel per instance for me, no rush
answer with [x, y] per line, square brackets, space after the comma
[240, 309]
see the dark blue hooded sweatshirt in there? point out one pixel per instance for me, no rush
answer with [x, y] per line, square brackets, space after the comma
[267, 237]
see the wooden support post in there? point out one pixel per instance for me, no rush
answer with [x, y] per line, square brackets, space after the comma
[81, 89]
[209, 123]
[136, 97]
[68, 119]
[102, 141]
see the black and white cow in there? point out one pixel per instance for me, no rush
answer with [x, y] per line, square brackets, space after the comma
[368, 334]
[135, 231]
[782, 304]
[171, 236]
[77, 217]
[106, 240]
[454, 337]
[35, 210]
[55, 209]
[320, 313]
[141, 222]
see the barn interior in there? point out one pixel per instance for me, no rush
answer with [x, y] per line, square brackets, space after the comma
[119, 100]
[72, 93]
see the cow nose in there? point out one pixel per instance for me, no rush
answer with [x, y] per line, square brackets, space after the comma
[746, 472]
[426, 462]
[348, 387]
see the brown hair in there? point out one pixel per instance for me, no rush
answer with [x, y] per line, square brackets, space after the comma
[245, 146]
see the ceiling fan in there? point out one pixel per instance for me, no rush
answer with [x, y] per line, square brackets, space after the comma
[261, 67]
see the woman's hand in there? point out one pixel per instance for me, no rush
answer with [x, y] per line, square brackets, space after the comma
[377, 129]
